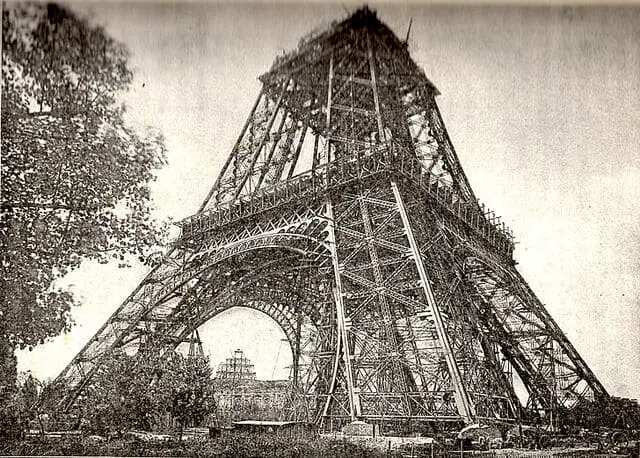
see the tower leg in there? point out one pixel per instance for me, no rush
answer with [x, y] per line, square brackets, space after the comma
[463, 403]
[343, 342]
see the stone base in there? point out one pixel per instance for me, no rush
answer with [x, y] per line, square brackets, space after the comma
[360, 428]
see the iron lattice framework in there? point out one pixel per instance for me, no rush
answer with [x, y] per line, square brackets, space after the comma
[344, 214]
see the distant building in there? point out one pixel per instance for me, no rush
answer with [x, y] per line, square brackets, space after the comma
[236, 369]
[240, 396]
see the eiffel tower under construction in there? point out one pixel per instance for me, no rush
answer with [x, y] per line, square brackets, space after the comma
[343, 213]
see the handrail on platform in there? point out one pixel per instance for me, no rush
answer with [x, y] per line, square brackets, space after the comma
[335, 174]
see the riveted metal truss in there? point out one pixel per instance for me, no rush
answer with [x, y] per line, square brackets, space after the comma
[344, 214]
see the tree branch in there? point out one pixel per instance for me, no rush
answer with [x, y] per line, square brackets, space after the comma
[14, 205]
[52, 113]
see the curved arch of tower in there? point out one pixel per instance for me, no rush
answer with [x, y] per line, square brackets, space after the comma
[343, 203]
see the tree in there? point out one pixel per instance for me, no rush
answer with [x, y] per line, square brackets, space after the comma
[138, 392]
[16, 409]
[192, 397]
[122, 395]
[75, 176]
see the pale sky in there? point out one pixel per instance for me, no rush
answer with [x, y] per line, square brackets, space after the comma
[542, 106]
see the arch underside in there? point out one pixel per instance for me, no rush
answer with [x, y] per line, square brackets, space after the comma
[282, 278]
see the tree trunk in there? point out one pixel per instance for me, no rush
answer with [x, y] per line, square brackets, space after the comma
[8, 375]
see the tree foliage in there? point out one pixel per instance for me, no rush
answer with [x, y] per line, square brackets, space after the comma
[75, 175]
[8, 389]
[142, 392]
[192, 395]
[16, 408]
[122, 396]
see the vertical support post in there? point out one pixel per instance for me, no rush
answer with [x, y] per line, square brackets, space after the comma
[316, 153]
[554, 386]
[329, 91]
[460, 394]
[296, 155]
[374, 86]
[354, 407]
[329, 97]
[267, 163]
[296, 355]
[334, 375]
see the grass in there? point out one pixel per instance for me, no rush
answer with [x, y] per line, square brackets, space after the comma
[234, 445]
